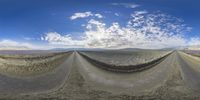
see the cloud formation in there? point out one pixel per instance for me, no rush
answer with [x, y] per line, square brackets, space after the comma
[116, 14]
[11, 44]
[195, 41]
[143, 30]
[56, 38]
[126, 5]
[84, 15]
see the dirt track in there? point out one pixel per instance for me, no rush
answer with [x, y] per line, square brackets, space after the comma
[176, 77]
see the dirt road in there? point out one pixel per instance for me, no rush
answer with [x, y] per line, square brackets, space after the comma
[175, 77]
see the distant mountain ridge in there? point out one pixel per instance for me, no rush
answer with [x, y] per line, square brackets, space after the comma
[74, 49]
[14, 48]
[193, 47]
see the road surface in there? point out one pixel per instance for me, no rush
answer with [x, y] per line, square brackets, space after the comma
[178, 75]
[44, 82]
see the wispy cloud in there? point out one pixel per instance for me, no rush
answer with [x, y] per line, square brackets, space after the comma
[29, 38]
[84, 15]
[56, 38]
[11, 44]
[116, 14]
[127, 5]
[143, 30]
[195, 41]
[140, 12]
[98, 15]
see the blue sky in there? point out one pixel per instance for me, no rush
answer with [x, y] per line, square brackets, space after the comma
[27, 21]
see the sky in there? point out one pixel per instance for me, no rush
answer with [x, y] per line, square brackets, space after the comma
[46, 24]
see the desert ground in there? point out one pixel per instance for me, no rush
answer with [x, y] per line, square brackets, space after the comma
[127, 74]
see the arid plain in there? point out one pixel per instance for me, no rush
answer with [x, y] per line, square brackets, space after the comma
[127, 74]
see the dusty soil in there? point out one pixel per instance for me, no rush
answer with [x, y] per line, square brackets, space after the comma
[27, 65]
[125, 58]
[175, 78]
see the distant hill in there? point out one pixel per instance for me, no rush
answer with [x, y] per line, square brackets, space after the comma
[67, 49]
[76, 49]
[61, 49]
[137, 49]
[99, 49]
[14, 48]
[194, 47]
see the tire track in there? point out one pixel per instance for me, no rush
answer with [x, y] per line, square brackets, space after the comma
[190, 75]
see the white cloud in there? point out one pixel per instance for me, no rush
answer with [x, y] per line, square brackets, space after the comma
[56, 38]
[94, 24]
[98, 15]
[127, 5]
[8, 43]
[140, 12]
[84, 15]
[11, 44]
[81, 15]
[28, 38]
[145, 36]
[195, 41]
[143, 30]
[116, 14]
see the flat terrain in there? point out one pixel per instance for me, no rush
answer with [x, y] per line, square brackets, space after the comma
[82, 75]
[125, 57]
[193, 52]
